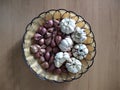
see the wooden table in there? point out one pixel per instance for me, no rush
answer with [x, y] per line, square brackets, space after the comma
[104, 17]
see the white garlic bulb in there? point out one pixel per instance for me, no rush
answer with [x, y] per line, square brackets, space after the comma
[79, 35]
[66, 44]
[74, 66]
[67, 25]
[60, 58]
[80, 51]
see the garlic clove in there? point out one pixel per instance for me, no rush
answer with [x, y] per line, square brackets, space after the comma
[76, 46]
[66, 56]
[59, 55]
[69, 41]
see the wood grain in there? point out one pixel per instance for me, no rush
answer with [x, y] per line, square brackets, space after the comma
[104, 17]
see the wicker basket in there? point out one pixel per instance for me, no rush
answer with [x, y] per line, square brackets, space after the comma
[40, 20]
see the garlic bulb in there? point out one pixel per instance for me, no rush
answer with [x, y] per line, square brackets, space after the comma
[66, 44]
[79, 35]
[80, 51]
[74, 65]
[60, 58]
[67, 25]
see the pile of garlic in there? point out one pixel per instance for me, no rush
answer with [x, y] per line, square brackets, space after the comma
[73, 43]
